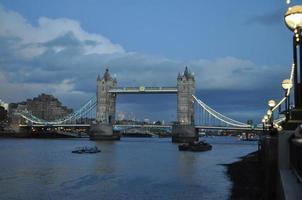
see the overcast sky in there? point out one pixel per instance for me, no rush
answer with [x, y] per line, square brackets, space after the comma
[240, 51]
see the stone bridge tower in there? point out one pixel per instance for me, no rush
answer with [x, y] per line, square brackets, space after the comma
[185, 131]
[185, 106]
[105, 111]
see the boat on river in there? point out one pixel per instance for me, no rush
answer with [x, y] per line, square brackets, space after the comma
[248, 137]
[86, 149]
[195, 146]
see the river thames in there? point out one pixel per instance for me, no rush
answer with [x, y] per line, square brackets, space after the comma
[133, 168]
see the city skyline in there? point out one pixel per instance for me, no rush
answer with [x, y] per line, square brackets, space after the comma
[241, 52]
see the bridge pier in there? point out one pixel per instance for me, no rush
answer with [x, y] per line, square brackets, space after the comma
[184, 133]
[102, 132]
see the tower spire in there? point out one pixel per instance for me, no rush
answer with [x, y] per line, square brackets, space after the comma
[107, 75]
[186, 72]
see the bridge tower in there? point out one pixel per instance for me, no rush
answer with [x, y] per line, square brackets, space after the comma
[185, 107]
[105, 109]
[185, 131]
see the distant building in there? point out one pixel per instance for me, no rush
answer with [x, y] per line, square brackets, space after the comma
[4, 105]
[3, 115]
[47, 107]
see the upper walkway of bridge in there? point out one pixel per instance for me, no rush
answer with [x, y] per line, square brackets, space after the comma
[143, 89]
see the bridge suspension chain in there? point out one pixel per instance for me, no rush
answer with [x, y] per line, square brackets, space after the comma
[86, 108]
[219, 116]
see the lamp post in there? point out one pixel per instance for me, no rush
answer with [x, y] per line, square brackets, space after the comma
[287, 85]
[263, 124]
[293, 20]
[271, 105]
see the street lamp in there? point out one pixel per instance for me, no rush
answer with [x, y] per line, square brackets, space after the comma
[287, 85]
[293, 20]
[271, 103]
[263, 124]
[293, 17]
[265, 119]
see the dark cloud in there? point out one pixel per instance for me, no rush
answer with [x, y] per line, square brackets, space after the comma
[267, 19]
[91, 42]
[67, 63]
[66, 40]
[9, 47]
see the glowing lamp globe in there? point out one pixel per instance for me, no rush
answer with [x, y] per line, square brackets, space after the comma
[293, 17]
[263, 121]
[265, 117]
[287, 84]
[269, 112]
[271, 103]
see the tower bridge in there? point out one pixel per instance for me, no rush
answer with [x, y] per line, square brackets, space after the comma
[107, 92]
[104, 106]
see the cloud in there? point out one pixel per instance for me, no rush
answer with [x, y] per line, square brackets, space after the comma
[14, 92]
[267, 19]
[57, 56]
[14, 25]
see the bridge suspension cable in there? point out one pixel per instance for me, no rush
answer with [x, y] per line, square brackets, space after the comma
[83, 110]
[91, 103]
[219, 116]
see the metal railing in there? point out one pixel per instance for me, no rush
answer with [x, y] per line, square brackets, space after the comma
[296, 156]
[143, 89]
[148, 88]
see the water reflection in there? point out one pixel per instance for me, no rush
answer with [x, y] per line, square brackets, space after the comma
[133, 168]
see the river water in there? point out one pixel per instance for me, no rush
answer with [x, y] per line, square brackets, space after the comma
[133, 168]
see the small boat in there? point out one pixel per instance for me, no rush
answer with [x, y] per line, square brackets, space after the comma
[248, 137]
[195, 146]
[86, 149]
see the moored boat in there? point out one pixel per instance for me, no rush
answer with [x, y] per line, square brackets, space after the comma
[86, 149]
[195, 146]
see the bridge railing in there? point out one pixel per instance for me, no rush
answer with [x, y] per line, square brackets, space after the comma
[276, 115]
[145, 88]
[296, 157]
[168, 88]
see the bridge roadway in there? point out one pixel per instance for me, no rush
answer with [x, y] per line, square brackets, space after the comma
[147, 126]
[143, 89]
[88, 125]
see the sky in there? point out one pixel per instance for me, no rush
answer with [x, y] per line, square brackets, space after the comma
[239, 51]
